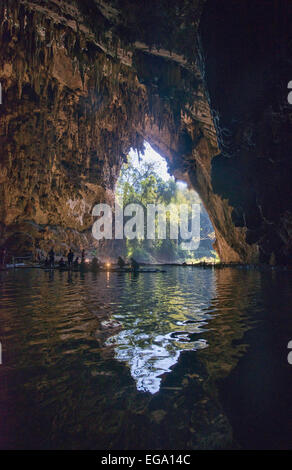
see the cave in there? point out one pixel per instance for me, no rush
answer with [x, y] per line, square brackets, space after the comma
[78, 93]
[206, 84]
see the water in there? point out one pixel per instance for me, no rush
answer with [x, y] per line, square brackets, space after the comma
[190, 359]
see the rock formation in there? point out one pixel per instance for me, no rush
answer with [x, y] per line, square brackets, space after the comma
[204, 82]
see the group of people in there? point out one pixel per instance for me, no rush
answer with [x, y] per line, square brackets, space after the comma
[74, 263]
[71, 263]
[96, 264]
[134, 264]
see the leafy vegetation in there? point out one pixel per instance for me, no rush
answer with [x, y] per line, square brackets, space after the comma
[142, 184]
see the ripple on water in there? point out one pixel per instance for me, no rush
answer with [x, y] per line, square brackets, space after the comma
[86, 357]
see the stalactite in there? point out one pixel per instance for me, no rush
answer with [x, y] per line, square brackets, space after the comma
[82, 131]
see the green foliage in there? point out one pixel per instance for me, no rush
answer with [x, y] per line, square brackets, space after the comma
[144, 186]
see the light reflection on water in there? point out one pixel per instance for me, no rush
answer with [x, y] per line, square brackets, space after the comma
[152, 359]
[189, 359]
[156, 328]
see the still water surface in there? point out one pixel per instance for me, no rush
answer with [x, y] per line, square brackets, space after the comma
[188, 359]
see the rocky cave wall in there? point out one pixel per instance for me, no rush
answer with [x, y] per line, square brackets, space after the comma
[247, 48]
[83, 82]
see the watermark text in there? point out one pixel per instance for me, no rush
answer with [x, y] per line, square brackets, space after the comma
[176, 222]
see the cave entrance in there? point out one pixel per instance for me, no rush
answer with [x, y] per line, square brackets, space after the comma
[145, 179]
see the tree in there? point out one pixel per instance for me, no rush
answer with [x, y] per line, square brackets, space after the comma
[144, 186]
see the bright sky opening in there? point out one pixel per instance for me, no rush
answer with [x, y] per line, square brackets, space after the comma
[150, 156]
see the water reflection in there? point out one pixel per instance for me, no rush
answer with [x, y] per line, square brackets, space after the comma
[211, 344]
[156, 328]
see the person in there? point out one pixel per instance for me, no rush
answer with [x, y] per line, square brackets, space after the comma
[62, 263]
[121, 262]
[47, 263]
[134, 264]
[76, 262]
[83, 265]
[95, 264]
[52, 258]
[70, 258]
[3, 256]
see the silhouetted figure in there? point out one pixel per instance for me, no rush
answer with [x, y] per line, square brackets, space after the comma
[52, 258]
[70, 258]
[3, 256]
[121, 262]
[83, 254]
[95, 264]
[76, 262]
[47, 262]
[134, 264]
